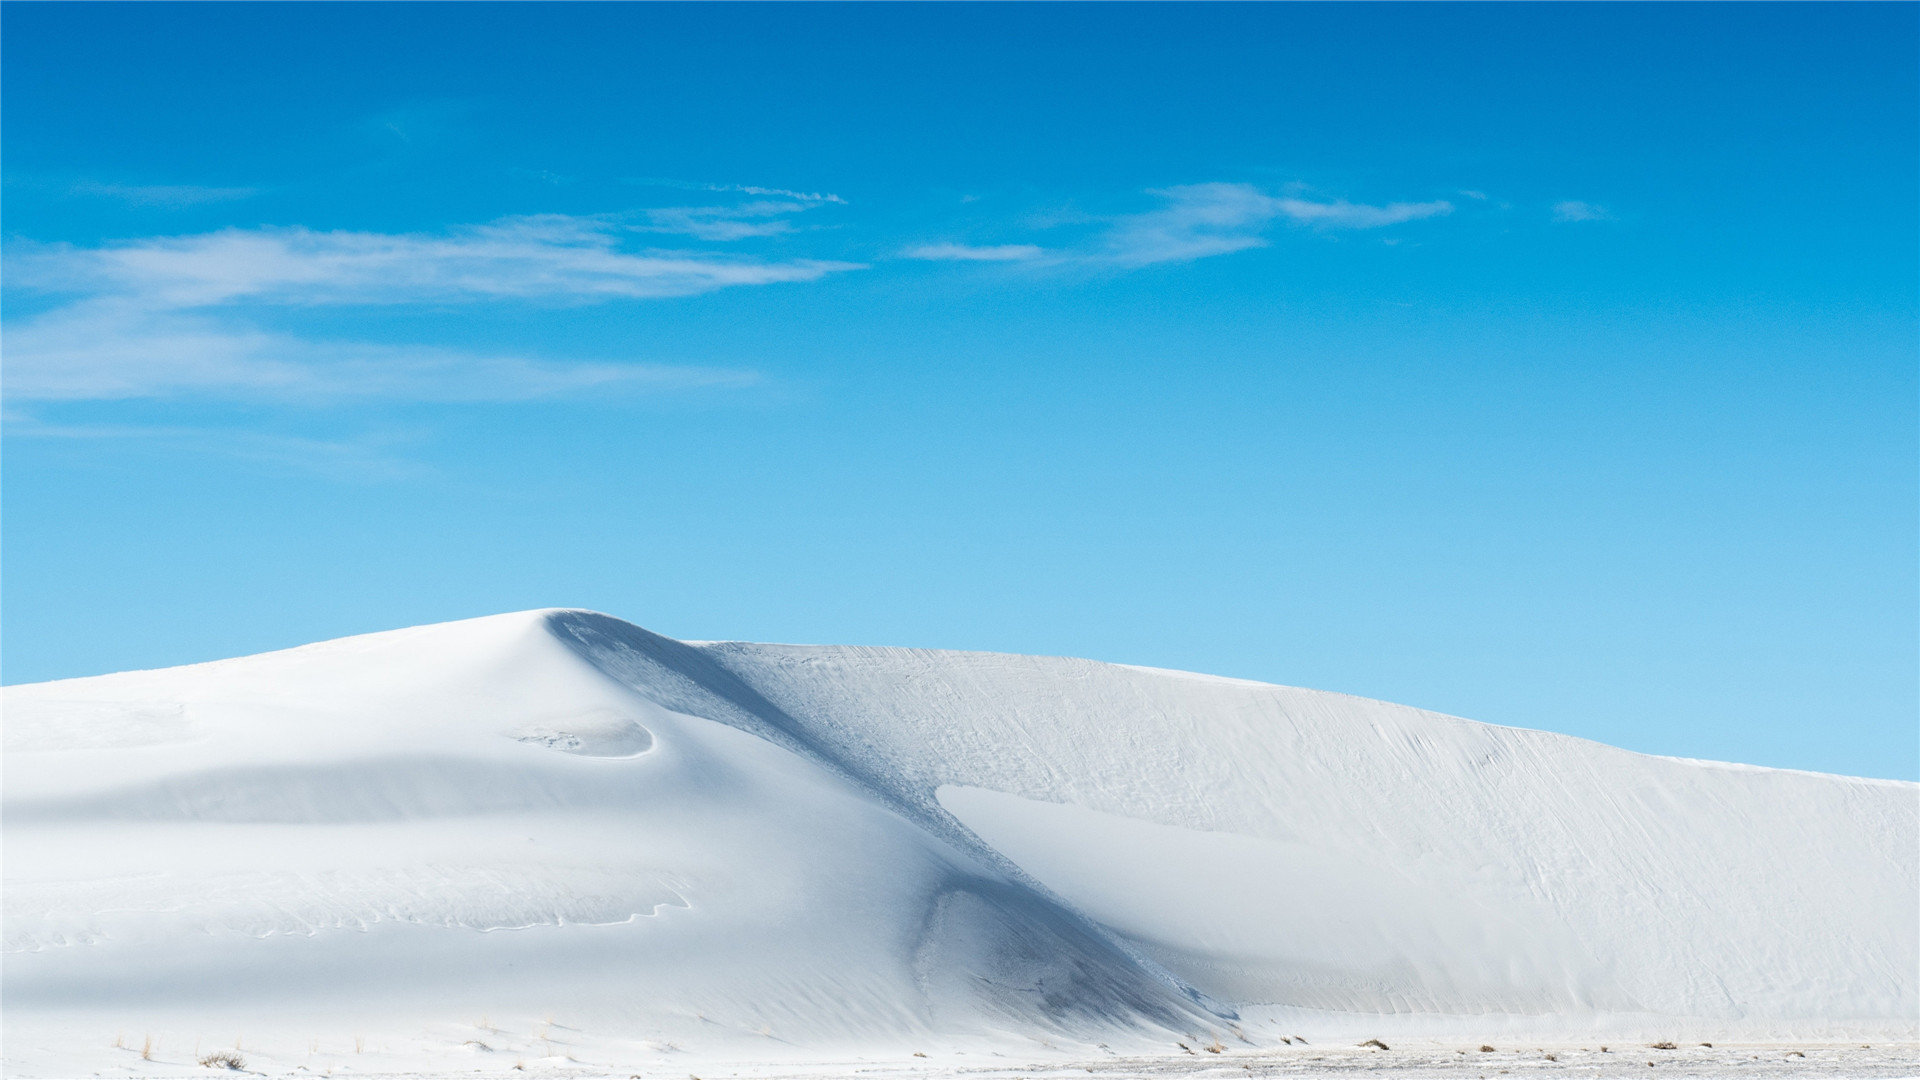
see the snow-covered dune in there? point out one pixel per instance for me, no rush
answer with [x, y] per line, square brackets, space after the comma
[780, 849]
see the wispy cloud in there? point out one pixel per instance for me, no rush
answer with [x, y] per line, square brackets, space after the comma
[547, 257]
[367, 457]
[1346, 215]
[170, 316]
[109, 349]
[1197, 221]
[1575, 210]
[803, 196]
[1200, 220]
[762, 218]
[740, 189]
[975, 253]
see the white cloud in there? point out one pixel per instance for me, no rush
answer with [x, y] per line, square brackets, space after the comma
[548, 257]
[975, 253]
[362, 458]
[166, 316]
[1346, 215]
[1575, 210]
[723, 222]
[803, 196]
[741, 189]
[1200, 220]
[111, 350]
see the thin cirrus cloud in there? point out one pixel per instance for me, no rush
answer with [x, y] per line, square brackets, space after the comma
[358, 457]
[803, 196]
[1201, 220]
[553, 258]
[108, 349]
[975, 253]
[171, 316]
[819, 198]
[742, 222]
[165, 316]
[1194, 221]
[1572, 210]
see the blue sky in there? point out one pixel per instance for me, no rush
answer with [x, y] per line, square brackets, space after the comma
[1552, 365]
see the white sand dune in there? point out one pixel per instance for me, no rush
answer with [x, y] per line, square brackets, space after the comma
[449, 838]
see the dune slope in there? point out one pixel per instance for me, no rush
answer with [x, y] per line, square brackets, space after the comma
[780, 849]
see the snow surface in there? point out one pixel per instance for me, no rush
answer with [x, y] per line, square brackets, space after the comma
[555, 840]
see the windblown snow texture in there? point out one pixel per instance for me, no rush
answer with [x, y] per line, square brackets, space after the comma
[558, 812]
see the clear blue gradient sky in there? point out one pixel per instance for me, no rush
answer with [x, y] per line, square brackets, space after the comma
[1547, 365]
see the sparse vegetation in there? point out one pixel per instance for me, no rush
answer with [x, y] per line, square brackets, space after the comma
[1489, 1049]
[1375, 1043]
[1664, 1046]
[224, 1059]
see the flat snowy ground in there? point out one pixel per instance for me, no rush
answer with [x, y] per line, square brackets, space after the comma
[1412, 1060]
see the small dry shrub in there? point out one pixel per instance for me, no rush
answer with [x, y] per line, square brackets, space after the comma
[224, 1059]
[1664, 1046]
